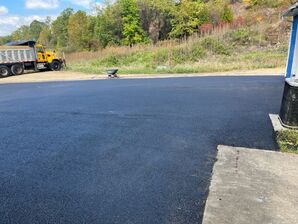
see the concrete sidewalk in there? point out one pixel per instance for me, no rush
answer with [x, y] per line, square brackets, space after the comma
[254, 187]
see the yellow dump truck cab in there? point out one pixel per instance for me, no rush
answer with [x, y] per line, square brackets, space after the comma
[47, 59]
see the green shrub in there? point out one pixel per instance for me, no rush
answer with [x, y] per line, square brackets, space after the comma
[215, 46]
[244, 36]
[196, 53]
[160, 56]
[266, 3]
[179, 55]
[94, 63]
[110, 60]
[136, 58]
[226, 14]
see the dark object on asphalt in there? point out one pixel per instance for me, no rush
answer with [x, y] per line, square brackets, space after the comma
[112, 73]
[289, 107]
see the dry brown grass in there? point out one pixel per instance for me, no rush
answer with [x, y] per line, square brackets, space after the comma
[125, 50]
[222, 55]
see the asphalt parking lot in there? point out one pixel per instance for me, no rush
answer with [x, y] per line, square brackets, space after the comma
[124, 151]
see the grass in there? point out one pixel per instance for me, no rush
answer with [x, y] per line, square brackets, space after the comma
[241, 49]
[288, 141]
[148, 63]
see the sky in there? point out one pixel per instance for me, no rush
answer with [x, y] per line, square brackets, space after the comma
[15, 13]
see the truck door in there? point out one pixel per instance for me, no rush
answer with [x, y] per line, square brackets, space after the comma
[41, 55]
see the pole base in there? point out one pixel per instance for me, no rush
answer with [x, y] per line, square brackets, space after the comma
[289, 108]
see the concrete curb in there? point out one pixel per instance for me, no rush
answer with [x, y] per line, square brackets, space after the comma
[277, 125]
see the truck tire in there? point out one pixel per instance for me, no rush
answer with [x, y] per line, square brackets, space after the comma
[55, 66]
[17, 69]
[4, 71]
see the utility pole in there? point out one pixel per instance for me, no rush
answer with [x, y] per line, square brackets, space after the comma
[289, 108]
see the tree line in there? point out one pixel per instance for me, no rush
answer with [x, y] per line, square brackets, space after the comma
[126, 22]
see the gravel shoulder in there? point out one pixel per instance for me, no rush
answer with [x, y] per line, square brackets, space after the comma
[51, 76]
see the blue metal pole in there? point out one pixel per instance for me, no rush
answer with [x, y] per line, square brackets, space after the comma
[292, 47]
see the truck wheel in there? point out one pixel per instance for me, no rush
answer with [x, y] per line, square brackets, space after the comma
[17, 69]
[4, 71]
[55, 66]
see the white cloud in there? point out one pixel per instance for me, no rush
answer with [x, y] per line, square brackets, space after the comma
[10, 23]
[3, 10]
[9, 20]
[41, 4]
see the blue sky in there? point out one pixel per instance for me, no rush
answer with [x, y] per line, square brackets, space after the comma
[14, 13]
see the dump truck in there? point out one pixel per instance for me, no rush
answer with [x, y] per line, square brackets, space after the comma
[16, 57]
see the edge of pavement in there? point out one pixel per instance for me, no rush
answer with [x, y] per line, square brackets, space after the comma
[50, 76]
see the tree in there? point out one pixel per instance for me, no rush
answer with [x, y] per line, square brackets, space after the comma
[226, 14]
[35, 28]
[5, 39]
[155, 18]
[129, 22]
[78, 30]
[45, 35]
[187, 18]
[92, 43]
[22, 33]
[132, 31]
[30, 32]
[108, 27]
[59, 28]
[220, 11]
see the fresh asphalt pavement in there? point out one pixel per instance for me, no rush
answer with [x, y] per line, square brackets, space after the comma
[124, 151]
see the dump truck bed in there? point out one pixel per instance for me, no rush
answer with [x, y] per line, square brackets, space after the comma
[15, 54]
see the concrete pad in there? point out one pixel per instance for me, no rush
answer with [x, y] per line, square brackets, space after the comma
[253, 186]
